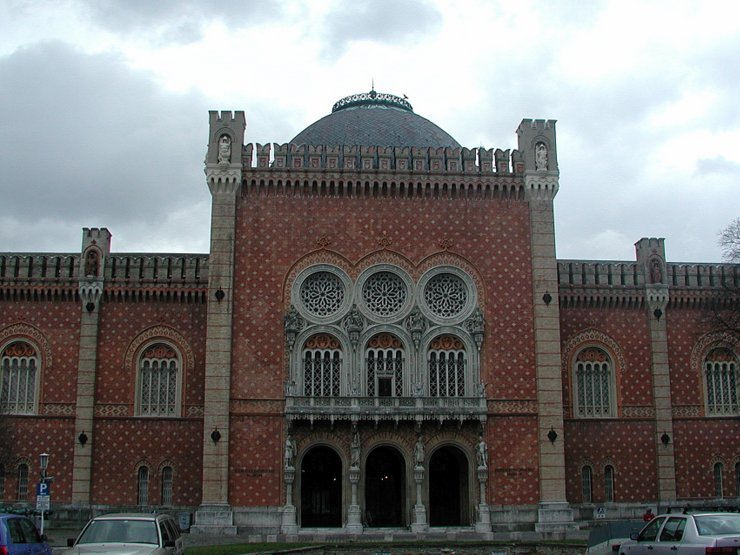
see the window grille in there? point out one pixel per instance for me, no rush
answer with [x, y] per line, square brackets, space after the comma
[167, 485]
[19, 371]
[447, 367]
[22, 491]
[322, 364]
[721, 376]
[142, 483]
[322, 294]
[609, 484]
[384, 363]
[593, 380]
[586, 489]
[446, 295]
[158, 381]
[718, 485]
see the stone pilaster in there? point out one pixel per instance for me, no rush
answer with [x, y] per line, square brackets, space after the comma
[95, 249]
[224, 176]
[541, 176]
[651, 259]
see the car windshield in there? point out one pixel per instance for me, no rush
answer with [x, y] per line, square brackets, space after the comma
[120, 531]
[718, 525]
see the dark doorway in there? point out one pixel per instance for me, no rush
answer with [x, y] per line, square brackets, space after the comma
[385, 482]
[321, 489]
[448, 488]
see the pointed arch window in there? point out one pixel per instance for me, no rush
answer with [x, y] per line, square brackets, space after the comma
[322, 365]
[593, 377]
[447, 363]
[721, 379]
[586, 484]
[609, 484]
[384, 360]
[19, 372]
[142, 486]
[21, 493]
[159, 381]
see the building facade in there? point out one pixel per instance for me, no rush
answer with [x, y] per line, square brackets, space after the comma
[381, 336]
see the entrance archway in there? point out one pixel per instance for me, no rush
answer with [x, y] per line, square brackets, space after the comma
[448, 488]
[321, 488]
[385, 484]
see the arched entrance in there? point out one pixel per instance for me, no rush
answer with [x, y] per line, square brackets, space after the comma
[321, 488]
[385, 483]
[448, 488]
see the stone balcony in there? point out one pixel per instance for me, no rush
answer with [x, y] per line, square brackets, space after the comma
[375, 409]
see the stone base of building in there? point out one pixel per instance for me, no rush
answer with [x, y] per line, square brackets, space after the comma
[555, 520]
[214, 519]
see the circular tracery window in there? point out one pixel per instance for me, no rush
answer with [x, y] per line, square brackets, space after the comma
[446, 295]
[322, 293]
[384, 293]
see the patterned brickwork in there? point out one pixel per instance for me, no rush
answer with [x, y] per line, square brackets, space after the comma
[513, 471]
[255, 459]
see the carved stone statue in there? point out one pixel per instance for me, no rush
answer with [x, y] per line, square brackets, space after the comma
[656, 272]
[354, 320]
[540, 157]
[354, 450]
[293, 320]
[290, 451]
[91, 263]
[481, 453]
[419, 452]
[224, 150]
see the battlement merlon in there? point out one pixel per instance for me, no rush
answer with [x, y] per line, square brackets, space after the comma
[538, 147]
[225, 138]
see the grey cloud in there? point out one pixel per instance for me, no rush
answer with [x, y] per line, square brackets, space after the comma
[88, 142]
[380, 21]
[718, 165]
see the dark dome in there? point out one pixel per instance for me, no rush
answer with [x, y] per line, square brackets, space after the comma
[374, 119]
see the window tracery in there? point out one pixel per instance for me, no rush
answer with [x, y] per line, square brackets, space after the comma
[593, 376]
[19, 369]
[447, 367]
[721, 379]
[384, 293]
[322, 294]
[159, 377]
[322, 363]
[446, 295]
[384, 363]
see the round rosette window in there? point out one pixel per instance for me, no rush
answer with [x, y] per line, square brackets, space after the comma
[447, 294]
[384, 293]
[323, 294]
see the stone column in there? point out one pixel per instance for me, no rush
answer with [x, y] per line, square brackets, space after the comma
[224, 177]
[420, 511]
[541, 178]
[289, 525]
[651, 259]
[354, 513]
[95, 250]
[483, 524]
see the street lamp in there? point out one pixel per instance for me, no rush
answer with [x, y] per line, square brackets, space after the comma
[44, 465]
[42, 493]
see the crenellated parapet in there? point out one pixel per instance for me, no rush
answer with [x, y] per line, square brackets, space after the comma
[225, 151]
[426, 160]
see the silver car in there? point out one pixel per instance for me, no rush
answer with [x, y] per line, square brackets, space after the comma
[689, 534]
[129, 534]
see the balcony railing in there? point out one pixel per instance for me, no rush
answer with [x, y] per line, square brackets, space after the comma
[385, 408]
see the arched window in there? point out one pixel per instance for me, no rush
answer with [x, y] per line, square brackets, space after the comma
[159, 381]
[21, 493]
[721, 378]
[719, 490]
[609, 484]
[322, 365]
[19, 371]
[142, 486]
[593, 376]
[447, 367]
[586, 484]
[167, 485]
[384, 363]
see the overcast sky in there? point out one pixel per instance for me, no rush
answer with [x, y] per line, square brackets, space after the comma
[104, 123]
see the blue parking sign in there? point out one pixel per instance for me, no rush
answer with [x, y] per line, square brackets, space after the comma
[43, 488]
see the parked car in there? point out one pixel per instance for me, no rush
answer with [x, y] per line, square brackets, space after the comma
[607, 538]
[687, 534]
[128, 534]
[19, 536]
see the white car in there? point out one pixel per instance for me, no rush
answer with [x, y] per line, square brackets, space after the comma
[128, 534]
[687, 534]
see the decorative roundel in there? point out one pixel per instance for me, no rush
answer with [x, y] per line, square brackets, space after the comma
[384, 293]
[446, 295]
[322, 294]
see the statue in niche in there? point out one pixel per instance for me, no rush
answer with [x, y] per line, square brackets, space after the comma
[293, 320]
[354, 450]
[481, 453]
[290, 451]
[656, 272]
[224, 149]
[540, 157]
[91, 263]
[419, 452]
[355, 321]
